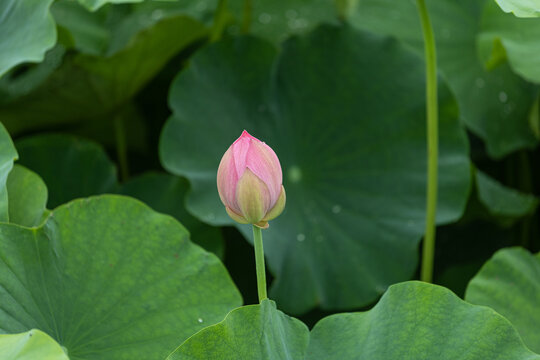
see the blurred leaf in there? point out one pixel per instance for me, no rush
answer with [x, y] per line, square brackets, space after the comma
[521, 8]
[126, 120]
[491, 51]
[96, 4]
[493, 104]
[355, 191]
[108, 278]
[510, 284]
[31, 345]
[26, 78]
[501, 201]
[112, 28]
[70, 167]
[412, 321]
[27, 30]
[148, 13]
[520, 38]
[8, 155]
[27, 196]
[166, 194]
[95, 88]
[87, 30]
[202, 10]
[275, 20]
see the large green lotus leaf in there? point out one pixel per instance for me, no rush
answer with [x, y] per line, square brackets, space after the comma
[519, 37]
[355, 193]
[166, 193]
[109, 278]
[30, 345]
[250, 332]
[412, 321]
[521, 8]
[277, 19]
[8, 155]
[493, 104]
[501, 201]
[27, 29]
[92, 87]
[71, 167]
[510, 284]
[27, 196]
[418, 321]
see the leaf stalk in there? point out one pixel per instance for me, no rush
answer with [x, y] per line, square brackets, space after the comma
[259, 263]
[121, 145]
[432, 142]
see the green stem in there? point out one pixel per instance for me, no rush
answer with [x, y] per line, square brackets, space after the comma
[246, 16]
[525, 232]
[121, 146]
[342, 7]
[432, 142]
[259, 262]
[525, 185]
[220, 21]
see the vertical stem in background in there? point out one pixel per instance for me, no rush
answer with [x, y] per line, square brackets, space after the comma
[259, 262]
[525, 185]
[121, 145]
[432, 142]
[247, 16]
[342, 7]
[220, 20]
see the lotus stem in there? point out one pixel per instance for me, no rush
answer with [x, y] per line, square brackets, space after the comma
[432, 142]
[259, 262]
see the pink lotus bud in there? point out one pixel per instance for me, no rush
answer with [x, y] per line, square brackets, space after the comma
[249, 182]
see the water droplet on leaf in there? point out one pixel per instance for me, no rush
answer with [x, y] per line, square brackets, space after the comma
[265, 18]
[291, 14]
[480, 82]
[508, 108]
[295, 174]
[157, 14]
[201, 6]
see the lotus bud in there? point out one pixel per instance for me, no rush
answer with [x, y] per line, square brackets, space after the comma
[249, 182]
